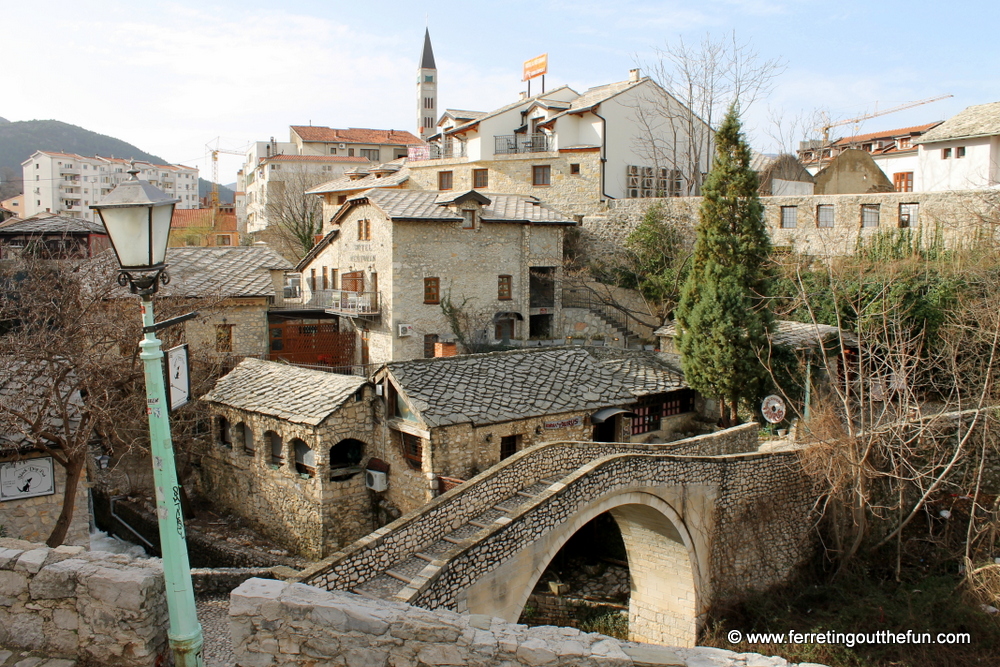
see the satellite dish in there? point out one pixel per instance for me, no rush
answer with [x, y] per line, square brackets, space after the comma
[773, 409]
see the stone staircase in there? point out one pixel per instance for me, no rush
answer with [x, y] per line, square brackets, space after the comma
[406, 574]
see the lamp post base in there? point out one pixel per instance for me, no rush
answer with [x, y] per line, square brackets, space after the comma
[187, 649]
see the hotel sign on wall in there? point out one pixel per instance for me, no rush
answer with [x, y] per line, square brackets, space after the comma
[26, 479]
[537, 66]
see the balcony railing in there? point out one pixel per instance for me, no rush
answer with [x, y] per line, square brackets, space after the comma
[449, 148]
[346, 303]
[510, 144]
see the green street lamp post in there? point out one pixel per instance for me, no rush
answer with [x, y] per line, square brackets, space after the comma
[137, 216]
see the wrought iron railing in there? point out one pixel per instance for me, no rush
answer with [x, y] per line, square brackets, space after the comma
[584, 298]
[343, 301]
[508, 144]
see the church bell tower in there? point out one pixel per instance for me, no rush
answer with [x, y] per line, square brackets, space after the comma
[426, 91]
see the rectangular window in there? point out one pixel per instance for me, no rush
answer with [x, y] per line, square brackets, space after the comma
[480, 178]
[444, 180]
[223, 239]
[370, 154]
[428, 102]
[364, 230]
[908, 215]
[429, 340]
[350, 152]
[224, 338]
[333, 150]
[333, 279]
[312, 280]
[789, 217]
[504, 284]
[902, 181]
[945, 153]
[469, 219]
[959, 151]
[508, 446]
[412, 450]
[574, 169]
[540, 175]
[869, 215]
[432, 290]
[824, 216]
[325, 283]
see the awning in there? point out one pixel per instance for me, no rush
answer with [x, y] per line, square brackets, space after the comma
[508, 315]
[604, 414]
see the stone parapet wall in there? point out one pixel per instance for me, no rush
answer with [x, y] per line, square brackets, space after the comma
[275, 623]
[99, 608]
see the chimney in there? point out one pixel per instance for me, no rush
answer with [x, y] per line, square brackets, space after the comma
[633, 75]
[524, 94]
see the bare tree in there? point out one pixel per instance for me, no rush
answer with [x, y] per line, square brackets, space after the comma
[293, 217]
[697, 85]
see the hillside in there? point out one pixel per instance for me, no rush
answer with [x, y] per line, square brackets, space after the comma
[19, 139]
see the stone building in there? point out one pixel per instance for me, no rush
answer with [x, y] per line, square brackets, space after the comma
[287, 453]
[394, 256]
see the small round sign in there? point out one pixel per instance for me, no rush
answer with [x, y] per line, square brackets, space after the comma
[773, 408]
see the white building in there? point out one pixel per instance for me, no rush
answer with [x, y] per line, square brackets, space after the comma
[68, 184]
[571, 150]
[962, 153]
[314, 154]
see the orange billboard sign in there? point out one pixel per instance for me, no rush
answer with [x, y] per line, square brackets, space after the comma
[537, 66]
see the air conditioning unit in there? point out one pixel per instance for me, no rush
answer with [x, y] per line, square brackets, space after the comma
[343, 146]
[376, 481]
[405, 330]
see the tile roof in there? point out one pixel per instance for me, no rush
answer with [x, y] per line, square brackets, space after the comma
[187, 218]
[975, 121]
[238, 271]
[887, 134]
[299, 395]
[506, 386]
[355, 135]
[314, 158]
[422, 205]
[641, 372]
[797, 335]
[51, 224]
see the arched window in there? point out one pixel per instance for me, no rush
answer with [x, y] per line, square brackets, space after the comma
[346, 454]
[225, 433]
[305, 458]
[277, 448]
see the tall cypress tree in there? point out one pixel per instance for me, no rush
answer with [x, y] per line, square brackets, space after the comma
[722, 319]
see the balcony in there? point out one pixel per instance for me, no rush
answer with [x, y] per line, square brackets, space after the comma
[449, 148]
[512, 144]
[342, 302]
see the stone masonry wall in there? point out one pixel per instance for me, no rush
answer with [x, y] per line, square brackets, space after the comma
[312, 516]
[33, 519]
[99, 608]
[276, 623]
[956, 218]
[248, 318]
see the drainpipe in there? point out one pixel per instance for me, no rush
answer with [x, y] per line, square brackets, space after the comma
[604, 150]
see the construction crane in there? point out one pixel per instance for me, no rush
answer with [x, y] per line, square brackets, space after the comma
[213, 198]
[901, 107]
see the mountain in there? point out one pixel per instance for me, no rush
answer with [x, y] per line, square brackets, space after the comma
[19, 139]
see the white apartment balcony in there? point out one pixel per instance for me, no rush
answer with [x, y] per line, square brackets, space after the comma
[69, 169]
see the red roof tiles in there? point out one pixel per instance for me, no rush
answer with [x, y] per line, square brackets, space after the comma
[355, 135]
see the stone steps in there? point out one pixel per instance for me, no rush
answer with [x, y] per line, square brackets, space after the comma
[400, 574]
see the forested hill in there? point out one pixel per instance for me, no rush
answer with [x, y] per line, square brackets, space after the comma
[19, 139]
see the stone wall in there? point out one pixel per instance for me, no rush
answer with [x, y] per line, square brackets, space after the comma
[955, 218]
[275, 623]
[310, 515]
[248, 318]
[99, 608]
[33, 519]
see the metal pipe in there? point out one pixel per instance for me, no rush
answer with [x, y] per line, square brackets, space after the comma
[132, 530]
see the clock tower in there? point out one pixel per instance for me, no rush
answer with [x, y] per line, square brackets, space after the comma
[426, 90]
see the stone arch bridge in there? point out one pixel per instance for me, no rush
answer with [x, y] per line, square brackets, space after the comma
[703, 519]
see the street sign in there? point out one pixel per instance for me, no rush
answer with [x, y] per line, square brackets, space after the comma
[773, 409]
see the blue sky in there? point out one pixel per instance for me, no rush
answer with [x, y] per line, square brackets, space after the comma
[171, 77]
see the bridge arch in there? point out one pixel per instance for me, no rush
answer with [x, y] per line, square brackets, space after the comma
[663, 558]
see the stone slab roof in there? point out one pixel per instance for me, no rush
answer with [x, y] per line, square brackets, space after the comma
[24, 386]
[641, 372]
[298, 395]
[238, 271]
[797, 335]
[981, 120]
[347, 184]
[424, 205]
[506, 386]
[52, 224]
[496, 112]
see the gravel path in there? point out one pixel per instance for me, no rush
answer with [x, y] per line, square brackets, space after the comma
[213, 613]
